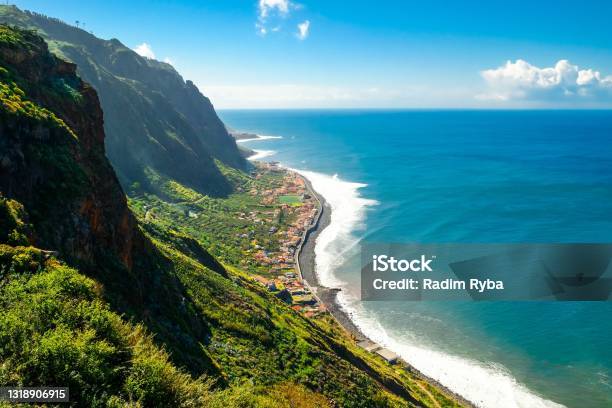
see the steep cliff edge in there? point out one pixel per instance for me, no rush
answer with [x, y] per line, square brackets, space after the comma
[53, 162]
[60, 199]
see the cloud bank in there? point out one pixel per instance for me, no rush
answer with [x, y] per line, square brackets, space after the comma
[145, 50]
[298, 96]
[564, 82]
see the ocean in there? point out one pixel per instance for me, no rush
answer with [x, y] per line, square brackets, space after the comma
[462, 176]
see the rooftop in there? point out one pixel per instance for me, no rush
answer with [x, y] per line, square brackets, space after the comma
[388, 355]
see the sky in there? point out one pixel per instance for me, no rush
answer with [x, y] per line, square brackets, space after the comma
[368, 54]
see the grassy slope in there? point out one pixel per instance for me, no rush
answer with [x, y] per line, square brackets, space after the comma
[218, 226]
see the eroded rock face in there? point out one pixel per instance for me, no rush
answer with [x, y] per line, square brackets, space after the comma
[52, 145]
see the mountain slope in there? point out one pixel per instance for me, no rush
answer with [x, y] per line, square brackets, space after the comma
[58, 191]
[51, 161]
[157, 125]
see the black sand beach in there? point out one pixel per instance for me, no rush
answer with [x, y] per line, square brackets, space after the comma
[306, 260]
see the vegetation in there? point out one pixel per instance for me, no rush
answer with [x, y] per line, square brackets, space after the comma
[254, 335]
[12, 224]
[14, 39]
[55, 329]
[13, 103]
[230, 228]
[290, 199]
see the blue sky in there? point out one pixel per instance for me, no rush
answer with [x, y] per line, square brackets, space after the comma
[413, 54]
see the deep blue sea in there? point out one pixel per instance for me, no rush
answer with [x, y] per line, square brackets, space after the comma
[463, 176]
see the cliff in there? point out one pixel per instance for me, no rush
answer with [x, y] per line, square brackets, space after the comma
[53, 166]
[54, 162]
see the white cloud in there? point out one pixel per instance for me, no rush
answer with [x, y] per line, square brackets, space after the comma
[261, 28]
[145, 50]
[564, 82]
[167, 60]
[272, 13]
[266, 7]
[303, 29]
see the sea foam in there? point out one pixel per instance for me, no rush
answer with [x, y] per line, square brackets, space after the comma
[485, 385]
[259, 137]
[348, 210]
[260, 154]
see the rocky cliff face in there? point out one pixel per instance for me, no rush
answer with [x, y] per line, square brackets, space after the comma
[52, 155]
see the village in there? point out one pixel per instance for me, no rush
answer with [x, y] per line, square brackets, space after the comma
[300, 208]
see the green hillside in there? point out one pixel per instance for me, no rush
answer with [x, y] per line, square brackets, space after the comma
[157, 125]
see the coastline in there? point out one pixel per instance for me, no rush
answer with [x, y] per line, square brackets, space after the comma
[492, 380]
[305, 261]
[306, 267]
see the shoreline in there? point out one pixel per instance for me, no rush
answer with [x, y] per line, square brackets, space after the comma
[306, 267]
[305, 262]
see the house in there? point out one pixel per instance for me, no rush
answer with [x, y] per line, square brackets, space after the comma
[297, 291]
[368, 345]
[388, 355]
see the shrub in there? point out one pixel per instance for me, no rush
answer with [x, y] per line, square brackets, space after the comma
[56, 331]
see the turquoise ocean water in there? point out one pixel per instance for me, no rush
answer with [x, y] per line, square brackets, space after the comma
[463, 176]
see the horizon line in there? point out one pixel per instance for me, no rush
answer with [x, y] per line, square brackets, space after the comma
[603, 109]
